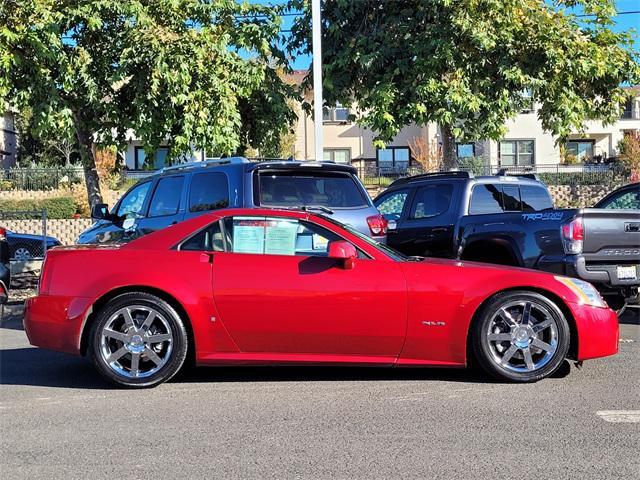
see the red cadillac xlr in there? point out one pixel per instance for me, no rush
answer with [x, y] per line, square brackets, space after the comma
[291, 287]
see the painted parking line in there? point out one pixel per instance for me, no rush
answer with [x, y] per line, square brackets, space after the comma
[619, 416]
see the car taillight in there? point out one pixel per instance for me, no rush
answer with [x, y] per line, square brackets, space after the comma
[573, 236]
[3, 233]
[377, 225]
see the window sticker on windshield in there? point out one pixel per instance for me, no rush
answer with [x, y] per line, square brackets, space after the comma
[280, 238]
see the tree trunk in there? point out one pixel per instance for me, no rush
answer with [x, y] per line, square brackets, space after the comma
[87, 153]
[448, 148]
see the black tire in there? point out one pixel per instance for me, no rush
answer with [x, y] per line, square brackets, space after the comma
[487, 355]
[175, 358]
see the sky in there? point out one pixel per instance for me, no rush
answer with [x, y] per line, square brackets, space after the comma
[623, 23]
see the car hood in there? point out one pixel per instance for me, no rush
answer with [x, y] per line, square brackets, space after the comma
[28, 236]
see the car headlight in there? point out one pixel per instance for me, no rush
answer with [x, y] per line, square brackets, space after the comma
[584, 290]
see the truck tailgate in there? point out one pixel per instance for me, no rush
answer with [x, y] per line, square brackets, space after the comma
[611, 236]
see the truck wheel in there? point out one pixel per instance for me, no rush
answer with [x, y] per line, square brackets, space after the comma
[520, 336]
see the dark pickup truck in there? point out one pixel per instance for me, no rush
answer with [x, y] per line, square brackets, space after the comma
[510, 220]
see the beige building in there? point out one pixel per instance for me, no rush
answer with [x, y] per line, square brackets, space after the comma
[524, 144]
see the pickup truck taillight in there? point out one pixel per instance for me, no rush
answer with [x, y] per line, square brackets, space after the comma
[573, 236]
[377, 225]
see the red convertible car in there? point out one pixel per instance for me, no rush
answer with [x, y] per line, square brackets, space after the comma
[292, 287]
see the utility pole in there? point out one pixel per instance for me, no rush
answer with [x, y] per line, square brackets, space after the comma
[317, 76]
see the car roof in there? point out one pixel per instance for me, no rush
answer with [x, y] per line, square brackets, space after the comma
[250, 166]
[167, 237]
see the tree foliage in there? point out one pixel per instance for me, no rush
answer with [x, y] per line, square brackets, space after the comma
[465, 63]
[187, 72]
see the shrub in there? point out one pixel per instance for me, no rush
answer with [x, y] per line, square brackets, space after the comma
[474, 165]
[56, 207]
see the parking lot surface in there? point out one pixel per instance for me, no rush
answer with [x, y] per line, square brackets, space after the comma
[59, 420]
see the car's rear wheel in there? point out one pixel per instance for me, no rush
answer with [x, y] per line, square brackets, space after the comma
[22, 253]
[520, 336]
[138, 340]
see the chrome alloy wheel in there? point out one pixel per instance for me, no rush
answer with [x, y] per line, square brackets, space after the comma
[522, 336]
[22, 254]
[136, 341]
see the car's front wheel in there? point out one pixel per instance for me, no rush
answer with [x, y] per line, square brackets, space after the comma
[138, 340]
[520, 336]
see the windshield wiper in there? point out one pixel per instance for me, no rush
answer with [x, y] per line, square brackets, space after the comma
[322, 208]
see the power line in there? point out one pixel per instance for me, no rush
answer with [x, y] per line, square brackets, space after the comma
[629, 12]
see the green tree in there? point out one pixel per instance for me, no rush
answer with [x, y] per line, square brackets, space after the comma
[181, 71]
[466, 63]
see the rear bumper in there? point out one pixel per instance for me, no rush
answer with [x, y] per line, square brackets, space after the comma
[55, 323]
[598, 331]
[600, 273]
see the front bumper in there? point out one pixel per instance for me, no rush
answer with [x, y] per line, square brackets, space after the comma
[55, 323]
[598, 331]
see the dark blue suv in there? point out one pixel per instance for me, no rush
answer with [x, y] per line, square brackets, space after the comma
[183, 191]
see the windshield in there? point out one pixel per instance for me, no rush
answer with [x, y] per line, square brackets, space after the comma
[390, 252]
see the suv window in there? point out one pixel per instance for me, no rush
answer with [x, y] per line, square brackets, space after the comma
[391, 205]
[431, 200]
[166, 197]
[328, 189]
[277, 236]
[209, 239]
[209, 191]
[131, 204]
[535, 198]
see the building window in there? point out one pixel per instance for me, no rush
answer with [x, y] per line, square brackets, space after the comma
[527, 101]
[337, 155]
[159, 159]
[516, 152]
[627, 111]
[337, 114]
[465, 150]
[394, 159]
[581, 149]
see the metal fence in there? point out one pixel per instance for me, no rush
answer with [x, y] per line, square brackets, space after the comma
[589, 174]
[26, 234]
[39, 178]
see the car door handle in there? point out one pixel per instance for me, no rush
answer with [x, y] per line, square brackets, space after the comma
[439, 230]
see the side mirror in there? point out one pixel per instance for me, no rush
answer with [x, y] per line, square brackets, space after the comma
[345, 251]
[100, 211]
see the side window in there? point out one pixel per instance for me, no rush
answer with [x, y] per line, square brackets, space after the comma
[511, 198]
[209, 239]
[166, 197]
[625, 201]
[209, 191]
[131, 204]
[485, 199]
[391, 206]
[535, 198]
[277, 236]
[431, 200]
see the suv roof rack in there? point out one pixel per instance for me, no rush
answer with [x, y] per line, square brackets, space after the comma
[424, 176]
[503, 172]
[205, 163]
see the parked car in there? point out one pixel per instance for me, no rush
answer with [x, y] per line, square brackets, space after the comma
[264, 286]
[184, 191]
[510, 220]
[627, 197]
[24, 246]
[5, 271]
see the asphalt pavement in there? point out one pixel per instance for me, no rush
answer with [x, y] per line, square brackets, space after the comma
[59, 420]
